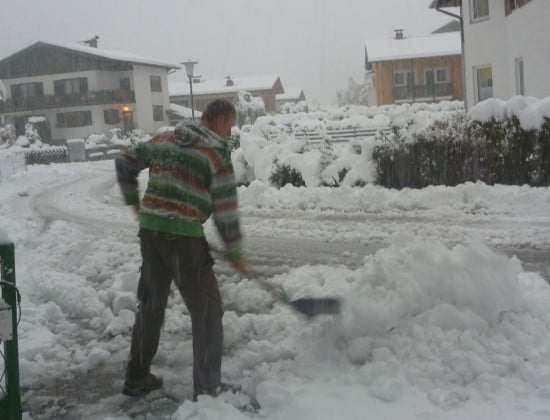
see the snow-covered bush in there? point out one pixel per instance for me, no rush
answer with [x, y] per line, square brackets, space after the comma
[412, 145]
[294, 108]
[506, 142]
[513, 139]
[7, 136]
[248, 108]
[284, 174]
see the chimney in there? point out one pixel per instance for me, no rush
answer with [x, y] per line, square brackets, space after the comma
[92, 42]
[229, 82]
[398, 33]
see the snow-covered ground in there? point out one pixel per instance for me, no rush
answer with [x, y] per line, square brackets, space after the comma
[439, 319]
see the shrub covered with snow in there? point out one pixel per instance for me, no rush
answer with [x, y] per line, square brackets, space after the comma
[248, 108]
[412, 145]
[7, 136]
[513, 138]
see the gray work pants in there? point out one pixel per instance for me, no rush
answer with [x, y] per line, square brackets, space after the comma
[187, 261]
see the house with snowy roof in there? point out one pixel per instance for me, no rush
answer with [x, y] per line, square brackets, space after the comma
[292, 96]
[178, 113]
[205, 91]
[82, 89]
[506, 49]
[415, 69]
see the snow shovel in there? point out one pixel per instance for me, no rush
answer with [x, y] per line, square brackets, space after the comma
[309, 307]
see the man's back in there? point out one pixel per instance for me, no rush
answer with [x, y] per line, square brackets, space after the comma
[190, 176]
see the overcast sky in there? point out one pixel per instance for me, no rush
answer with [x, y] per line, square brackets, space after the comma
[311, 44]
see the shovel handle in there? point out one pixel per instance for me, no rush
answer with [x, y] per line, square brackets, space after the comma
[252, 275]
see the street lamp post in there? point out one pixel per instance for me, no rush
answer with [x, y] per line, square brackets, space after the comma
[189, 66]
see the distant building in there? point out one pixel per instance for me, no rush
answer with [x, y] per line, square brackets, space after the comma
[205, 91]
[506, 47]
[416, 69]
[178, 113]
[452, 26]
[82, 90]
[290, 96]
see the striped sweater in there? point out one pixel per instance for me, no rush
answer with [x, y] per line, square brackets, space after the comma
[190, 178]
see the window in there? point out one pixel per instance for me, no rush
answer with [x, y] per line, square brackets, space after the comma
[125, 83]
[155, 84]
[111, 116]
[510, 5]
[73, 119]
[520, 77]
[158, 113]
[70, 86]
[479, 10]
[404, 78]
[27, 90]
[442, 75]
[437, 75]
[484, 82]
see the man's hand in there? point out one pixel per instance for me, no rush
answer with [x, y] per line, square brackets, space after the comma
[136, 208]
[241, 266]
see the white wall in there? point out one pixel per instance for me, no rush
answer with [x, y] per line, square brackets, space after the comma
[499, 40]
[529, 37]
[145, 99]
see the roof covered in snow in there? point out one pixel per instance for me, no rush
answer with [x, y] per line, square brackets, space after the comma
[290, 94]
[205, 87]
[109, 54]
[433, 45]
[445, 3]
[183, 111]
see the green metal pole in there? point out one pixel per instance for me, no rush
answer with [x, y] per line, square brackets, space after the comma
[10, 409]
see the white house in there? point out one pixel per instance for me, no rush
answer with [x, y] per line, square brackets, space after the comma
[506, 47]
[82, 90]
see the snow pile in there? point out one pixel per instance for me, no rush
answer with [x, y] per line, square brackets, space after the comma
[531, 112]
[427, 329]
[12, 161]
[4, 237]
[459, 326]
[469, 198]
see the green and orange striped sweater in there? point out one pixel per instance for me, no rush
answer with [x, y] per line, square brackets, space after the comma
[190, 178]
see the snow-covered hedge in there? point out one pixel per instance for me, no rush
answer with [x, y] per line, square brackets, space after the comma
[46, 155]
[415, 145]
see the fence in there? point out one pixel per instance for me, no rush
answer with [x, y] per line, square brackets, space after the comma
[10, 394]
[62, 154]
[338, 137]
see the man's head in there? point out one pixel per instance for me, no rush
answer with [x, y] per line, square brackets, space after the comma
[219, 116]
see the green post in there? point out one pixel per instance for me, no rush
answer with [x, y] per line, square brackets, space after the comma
[10, 405]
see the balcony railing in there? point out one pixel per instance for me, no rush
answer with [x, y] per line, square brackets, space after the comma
[100, 97]
[422, 92]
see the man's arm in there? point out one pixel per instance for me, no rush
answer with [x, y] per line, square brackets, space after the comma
[226, 216]
[128, 165]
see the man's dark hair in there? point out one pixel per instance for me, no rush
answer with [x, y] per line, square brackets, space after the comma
[218, 107]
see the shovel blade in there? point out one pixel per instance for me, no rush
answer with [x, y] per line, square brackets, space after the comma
[316, 306]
